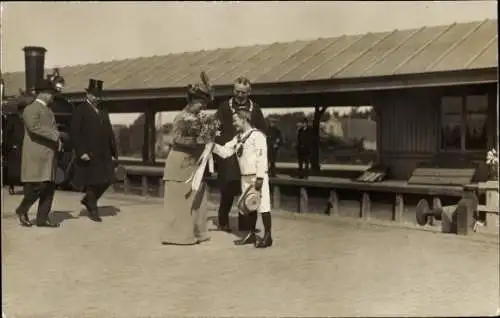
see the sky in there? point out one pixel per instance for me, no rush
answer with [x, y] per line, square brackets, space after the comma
[88, 32]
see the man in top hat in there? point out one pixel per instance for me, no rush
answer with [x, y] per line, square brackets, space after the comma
[41, 142]
[228, 171]
[250, 148]
[95, 148]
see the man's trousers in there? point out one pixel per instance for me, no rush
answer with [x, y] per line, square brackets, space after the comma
[228, 191]
[93, 193]
[42, 191]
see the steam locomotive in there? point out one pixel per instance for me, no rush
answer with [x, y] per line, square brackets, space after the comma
[34, 58]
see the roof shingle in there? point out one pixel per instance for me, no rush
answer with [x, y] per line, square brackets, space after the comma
[458, 46]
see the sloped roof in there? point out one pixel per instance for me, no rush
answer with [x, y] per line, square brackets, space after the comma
[459, 46]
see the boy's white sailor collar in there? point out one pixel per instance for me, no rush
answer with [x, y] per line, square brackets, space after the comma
[246, 134]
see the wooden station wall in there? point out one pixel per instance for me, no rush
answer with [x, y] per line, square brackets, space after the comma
[409, 129]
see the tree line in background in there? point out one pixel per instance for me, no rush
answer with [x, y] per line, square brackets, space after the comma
[344, 138]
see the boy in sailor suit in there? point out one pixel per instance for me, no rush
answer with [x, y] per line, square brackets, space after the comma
[250, 147]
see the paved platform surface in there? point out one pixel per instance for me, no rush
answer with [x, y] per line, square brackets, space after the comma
[119, 268]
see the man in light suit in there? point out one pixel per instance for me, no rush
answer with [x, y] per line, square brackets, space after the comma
[41, 142]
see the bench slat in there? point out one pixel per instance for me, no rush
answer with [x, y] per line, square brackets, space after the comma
[443, 172]
[439, 180]
[446, 189]
[442, 176]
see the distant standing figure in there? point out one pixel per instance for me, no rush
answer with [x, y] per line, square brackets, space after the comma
[95, 147]
[304, 141]
[274, 142]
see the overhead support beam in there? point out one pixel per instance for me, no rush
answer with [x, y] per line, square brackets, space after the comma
[334, 85]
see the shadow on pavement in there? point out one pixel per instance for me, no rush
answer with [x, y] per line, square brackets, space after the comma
[59, 216]
[233, 224]
[104, 211]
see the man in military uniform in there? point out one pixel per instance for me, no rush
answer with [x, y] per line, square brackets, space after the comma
[228, 171]
[41, 143]
[304, 142]
[95, 147]
[274, 142]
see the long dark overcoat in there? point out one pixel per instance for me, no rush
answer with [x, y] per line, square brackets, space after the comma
[91, 133]
[228, 169]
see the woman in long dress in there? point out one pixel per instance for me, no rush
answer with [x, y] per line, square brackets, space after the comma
[185, 211]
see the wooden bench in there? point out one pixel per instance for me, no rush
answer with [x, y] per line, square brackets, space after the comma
[442, 176]
[289, 168]
[366, 189]
[145, 173]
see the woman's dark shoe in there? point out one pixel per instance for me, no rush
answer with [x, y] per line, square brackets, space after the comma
[11, 190]
[251, 238]
[23, 219]
[266, 241]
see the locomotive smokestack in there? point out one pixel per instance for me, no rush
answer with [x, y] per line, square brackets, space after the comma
[34, 63]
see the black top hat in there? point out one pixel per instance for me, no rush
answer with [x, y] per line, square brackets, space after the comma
[95, 87]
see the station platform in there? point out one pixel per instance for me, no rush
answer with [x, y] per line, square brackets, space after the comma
[318, 266]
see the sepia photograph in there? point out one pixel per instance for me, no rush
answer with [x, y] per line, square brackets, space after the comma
[249, 159]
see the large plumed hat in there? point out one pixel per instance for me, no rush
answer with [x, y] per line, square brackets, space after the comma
[202, 89]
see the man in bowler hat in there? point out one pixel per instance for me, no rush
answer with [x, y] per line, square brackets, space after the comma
[95, 148]
[41, 142]
[228, 171]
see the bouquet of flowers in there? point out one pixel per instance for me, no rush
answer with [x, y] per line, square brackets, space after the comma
[189, 125]
[210, 126]
[492, 162]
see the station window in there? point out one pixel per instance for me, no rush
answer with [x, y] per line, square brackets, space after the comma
[463, 122]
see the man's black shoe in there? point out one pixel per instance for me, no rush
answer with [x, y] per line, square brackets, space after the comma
[23, 219]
